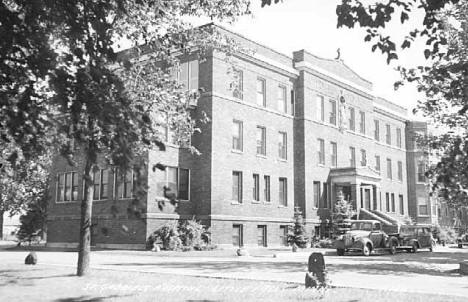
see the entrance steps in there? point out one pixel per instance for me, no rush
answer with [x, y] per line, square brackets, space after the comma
[389, 224]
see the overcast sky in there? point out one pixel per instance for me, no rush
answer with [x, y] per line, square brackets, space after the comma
[311, 25]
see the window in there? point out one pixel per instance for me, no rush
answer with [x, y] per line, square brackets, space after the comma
[261, 99]
[400, 171]
[237, 135]
[261, 140]
[393, 202]
[282, 105]
[423, 209]
[352, 156]
[283, 191]
[238, 91]
[256, 187]
[402, 204]
[398, 137]
[266, 179]
[262, 235]
[188, 75]
[325, 195]
[175, 181]
[332, 112]
[282, 145]
[388, 135]
[317, 194]
[362, 122]
[389, 168]
[377, 163]
[124, 182]
[293, 103]
[376, 130]
[352, 119]
[320, 108]
[237, 186]
[421, 171]
[67, 186]
[321, 151]
[387, 202]
[283, 234]
[363, 158]
[237, 235]
[334, 154]
[101, 184]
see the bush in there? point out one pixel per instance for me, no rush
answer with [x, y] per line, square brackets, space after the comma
[184, 235]
[167, 236]
[191, 234]
[322, 243]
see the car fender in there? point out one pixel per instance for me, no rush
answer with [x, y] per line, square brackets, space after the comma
[365, 241]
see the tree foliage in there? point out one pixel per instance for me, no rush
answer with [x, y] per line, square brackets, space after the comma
[64, 87]
[297, 233]
[374, 16]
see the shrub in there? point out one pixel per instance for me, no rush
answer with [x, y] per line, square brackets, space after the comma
[322, 243]
[167, 236]
[191, 233]
[184, 235]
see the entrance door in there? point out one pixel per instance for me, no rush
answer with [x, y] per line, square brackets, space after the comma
[367, 199]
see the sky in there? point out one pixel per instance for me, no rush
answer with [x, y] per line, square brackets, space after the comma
[311, 25]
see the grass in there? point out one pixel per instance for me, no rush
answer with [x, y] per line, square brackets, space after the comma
[54, 283]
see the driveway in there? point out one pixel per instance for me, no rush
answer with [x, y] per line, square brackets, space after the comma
[423, 272]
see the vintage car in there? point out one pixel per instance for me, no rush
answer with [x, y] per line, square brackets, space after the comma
[365, 236]
[414, 237]
[462, 240]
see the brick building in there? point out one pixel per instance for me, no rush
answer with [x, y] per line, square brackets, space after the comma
[295, 132]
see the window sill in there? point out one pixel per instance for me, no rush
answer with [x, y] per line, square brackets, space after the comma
[237, 203]
[261, 156]
[267, 202]
[237, 151]
[66, 202]
[282, 160]
[321, 165]
[256, 202]
[282, 206]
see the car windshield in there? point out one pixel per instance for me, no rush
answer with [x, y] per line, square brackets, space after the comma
[365, 226]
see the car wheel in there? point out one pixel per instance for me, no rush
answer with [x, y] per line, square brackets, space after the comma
[366, 250]
[460, 245]
[414, 247]
[393, 247]
[340, 252]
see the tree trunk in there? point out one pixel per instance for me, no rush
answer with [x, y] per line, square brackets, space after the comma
[85, 222]
[1, 225]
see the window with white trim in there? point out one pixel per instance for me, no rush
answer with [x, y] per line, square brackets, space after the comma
[67, 187]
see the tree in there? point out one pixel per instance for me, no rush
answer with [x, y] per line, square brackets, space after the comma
[376, 15]
[297, 234]
[33, 222]
[64, 87]
[342, 211]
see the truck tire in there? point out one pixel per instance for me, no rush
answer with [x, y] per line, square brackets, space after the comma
[366, 250]
[340, 252]
[414, 247]
[393, 247]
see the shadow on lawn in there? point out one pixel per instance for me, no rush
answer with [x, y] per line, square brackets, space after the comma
[88, 299]
[401, 264]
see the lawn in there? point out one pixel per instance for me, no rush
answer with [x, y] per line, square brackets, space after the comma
[56, 283]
